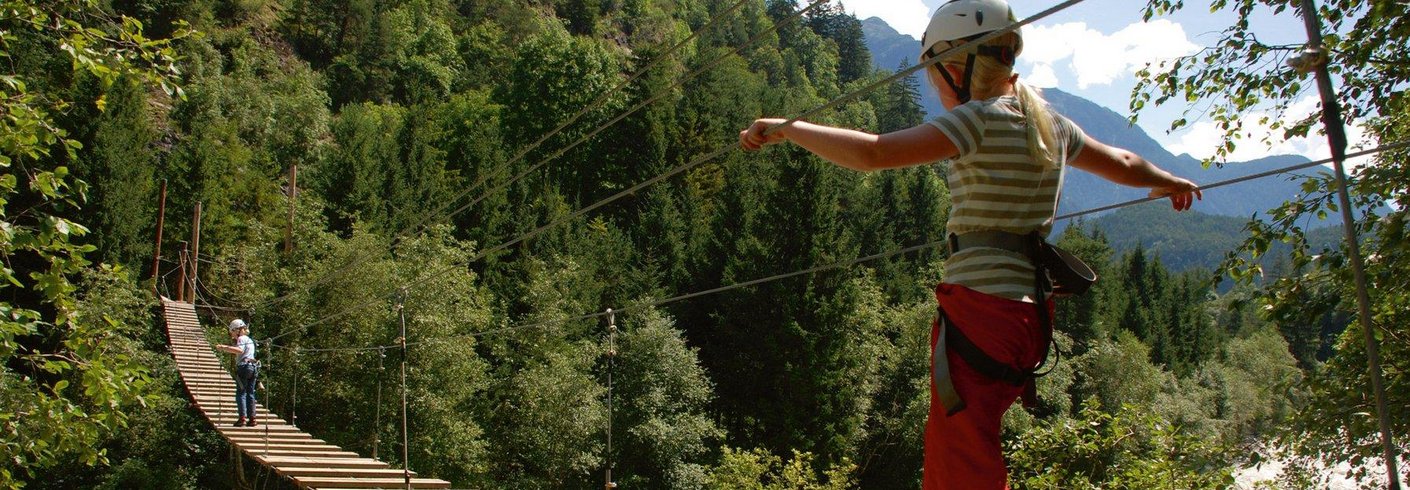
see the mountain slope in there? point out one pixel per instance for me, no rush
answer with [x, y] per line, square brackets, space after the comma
[1085, 191]
[1190, 240]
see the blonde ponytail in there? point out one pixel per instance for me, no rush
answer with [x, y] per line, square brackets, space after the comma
[990, 72]
[1042, 137]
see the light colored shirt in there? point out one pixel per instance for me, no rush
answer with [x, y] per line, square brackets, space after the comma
[247, 348]
[995, 184]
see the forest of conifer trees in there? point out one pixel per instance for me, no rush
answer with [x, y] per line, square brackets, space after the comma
[416, 125]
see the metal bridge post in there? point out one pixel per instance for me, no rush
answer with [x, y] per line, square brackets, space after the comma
[1336, 133]
[611, 363]
[405, 459]
[157, 254]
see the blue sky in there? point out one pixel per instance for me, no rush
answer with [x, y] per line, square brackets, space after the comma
[1094, 48]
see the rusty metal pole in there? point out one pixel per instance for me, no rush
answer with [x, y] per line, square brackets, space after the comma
[181, 273]
[611, 363]
[195, 257]
[157, 253]
[293, 200]
[405, 456]
[1336, 134]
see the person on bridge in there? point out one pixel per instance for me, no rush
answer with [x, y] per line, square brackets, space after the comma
[246, 371]
[1008, 150]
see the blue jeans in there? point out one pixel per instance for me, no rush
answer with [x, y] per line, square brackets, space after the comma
[246, 379]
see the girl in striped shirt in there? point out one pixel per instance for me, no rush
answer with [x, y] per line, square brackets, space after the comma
[1007, 151]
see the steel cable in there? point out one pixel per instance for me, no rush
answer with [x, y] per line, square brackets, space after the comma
[859, 260]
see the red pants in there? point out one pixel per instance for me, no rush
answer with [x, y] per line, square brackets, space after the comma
[962, 451]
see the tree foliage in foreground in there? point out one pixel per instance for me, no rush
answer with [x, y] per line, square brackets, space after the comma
[1369, 50]
[64, 388]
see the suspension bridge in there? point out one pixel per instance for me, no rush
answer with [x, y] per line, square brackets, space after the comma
[307, 461]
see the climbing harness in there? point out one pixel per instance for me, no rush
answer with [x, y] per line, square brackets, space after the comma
[1054, 271]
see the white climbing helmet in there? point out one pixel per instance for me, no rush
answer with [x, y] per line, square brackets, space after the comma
[968, 19]
[237, 324]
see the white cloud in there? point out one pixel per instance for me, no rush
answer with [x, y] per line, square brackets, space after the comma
[1041, 76]
[1203, 137]
[1101, 59]
[906, 16]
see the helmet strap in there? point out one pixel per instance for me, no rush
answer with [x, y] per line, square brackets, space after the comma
[961, 90]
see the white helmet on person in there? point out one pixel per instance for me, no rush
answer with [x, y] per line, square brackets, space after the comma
[237, 324]
[966, 20]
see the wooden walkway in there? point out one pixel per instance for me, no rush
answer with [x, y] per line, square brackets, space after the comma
[307, 461]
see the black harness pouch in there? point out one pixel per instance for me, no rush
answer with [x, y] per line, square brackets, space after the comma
[1067, 273]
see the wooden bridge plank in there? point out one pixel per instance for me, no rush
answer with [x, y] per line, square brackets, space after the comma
[353, 482]
[307, 462]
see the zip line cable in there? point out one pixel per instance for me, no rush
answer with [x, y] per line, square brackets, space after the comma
[859, 260]
[717, 153]
[724, 149]
[602, 99]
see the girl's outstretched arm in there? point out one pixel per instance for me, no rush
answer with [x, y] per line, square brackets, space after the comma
[1126, 168]
[857, 150]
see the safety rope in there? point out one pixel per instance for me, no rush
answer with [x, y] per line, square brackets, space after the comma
[164, 286]
[199, 301]
[201, 284]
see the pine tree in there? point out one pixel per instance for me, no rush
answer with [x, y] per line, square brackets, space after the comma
[1080, 317]
[834, 23]
[902, 108]
[354, 177]
[120, 165]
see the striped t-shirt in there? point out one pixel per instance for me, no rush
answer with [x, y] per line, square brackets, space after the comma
[995, 184]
